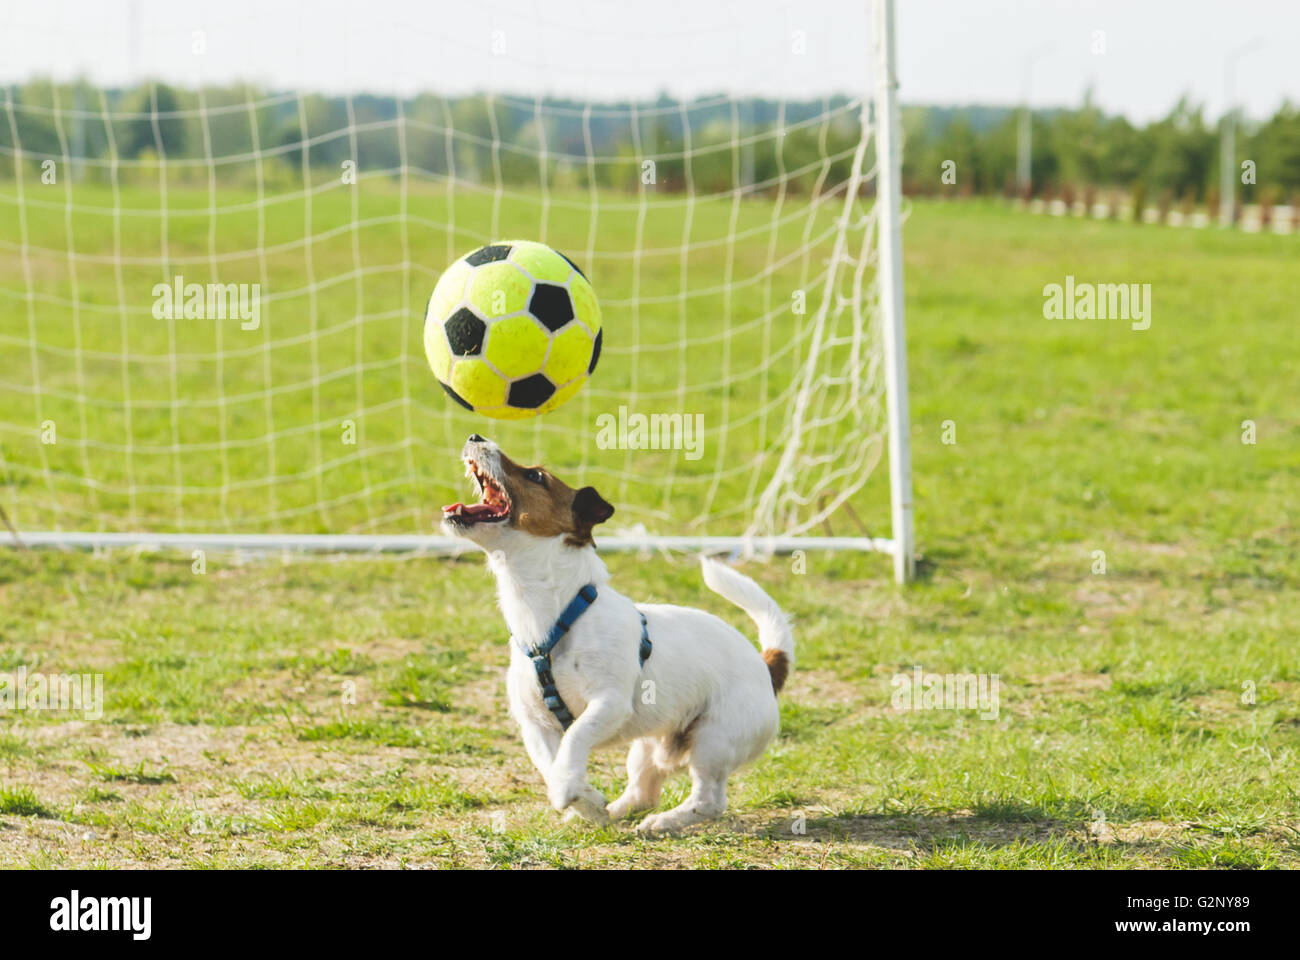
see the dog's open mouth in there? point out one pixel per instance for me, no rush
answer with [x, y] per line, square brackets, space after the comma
[493, 505]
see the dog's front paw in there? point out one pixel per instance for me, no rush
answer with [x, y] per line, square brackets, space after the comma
[561, 792]
[580, 797]
[592, 810]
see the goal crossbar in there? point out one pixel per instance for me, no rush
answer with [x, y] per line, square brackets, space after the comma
[428, 545]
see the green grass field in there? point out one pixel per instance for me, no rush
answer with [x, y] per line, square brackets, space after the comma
[1149, 714]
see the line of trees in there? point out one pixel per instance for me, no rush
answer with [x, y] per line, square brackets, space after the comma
[710, 144]
[1074, 151]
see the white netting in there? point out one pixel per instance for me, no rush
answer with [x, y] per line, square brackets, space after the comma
[730, 238]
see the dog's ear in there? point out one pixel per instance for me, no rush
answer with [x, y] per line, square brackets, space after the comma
[589, 509]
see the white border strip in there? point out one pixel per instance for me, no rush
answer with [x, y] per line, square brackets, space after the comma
[430, 545]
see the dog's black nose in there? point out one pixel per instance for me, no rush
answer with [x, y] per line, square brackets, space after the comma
[475, 438]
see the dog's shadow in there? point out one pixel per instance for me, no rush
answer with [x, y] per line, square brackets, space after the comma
[920, 834]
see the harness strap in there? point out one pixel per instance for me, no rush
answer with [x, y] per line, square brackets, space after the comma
[646, 646]
[540, 654]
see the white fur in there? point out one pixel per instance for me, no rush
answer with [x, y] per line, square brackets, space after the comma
[702, 675]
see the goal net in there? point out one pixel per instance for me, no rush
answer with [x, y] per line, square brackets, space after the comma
[212, 291]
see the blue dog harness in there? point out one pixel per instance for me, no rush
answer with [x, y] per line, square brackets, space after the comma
[541, 654]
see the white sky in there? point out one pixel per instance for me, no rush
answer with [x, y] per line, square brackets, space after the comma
[950, 51]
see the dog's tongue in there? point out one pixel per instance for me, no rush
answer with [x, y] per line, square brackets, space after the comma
[473, 510]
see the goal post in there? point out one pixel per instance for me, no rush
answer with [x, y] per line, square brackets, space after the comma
[211, 299]
[891, 290]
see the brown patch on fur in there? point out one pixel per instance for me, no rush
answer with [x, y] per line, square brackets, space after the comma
[553, 509]
[544, 511]
[679, 741]
[778, 665]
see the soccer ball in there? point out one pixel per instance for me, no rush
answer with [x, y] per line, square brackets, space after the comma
[512, 330]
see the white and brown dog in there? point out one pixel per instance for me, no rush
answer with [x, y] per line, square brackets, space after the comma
[704, 698]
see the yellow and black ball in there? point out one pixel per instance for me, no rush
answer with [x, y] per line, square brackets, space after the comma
[512, 330]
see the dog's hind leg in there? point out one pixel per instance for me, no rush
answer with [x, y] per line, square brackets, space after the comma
[645, 780]
[707, 801]
[710, 763]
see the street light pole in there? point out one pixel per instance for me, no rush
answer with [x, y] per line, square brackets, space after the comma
[1228, 138]
[1025, 129]
[1024, 133]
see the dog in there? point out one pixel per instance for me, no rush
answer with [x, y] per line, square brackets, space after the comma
[694, 693]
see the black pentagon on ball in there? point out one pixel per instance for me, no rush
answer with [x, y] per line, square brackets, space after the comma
[455, 396]
[465, 332]
[551, 305]
[595, 352]
[489, 254]
[530, 392]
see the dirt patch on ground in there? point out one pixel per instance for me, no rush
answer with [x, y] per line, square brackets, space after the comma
[823, 688]
[1099, 603]
[1069, 684]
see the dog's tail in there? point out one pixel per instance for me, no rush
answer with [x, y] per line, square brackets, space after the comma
[774, 633]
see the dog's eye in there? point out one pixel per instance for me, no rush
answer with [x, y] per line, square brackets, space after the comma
[535, 476]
